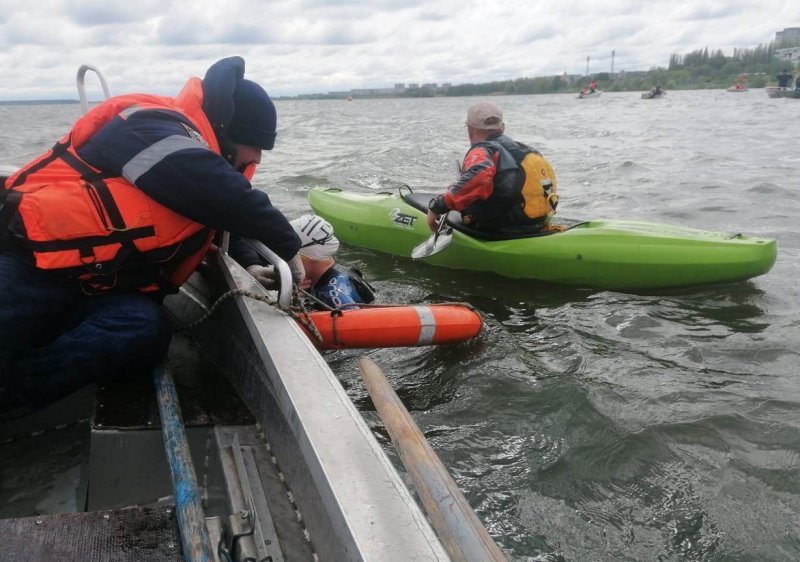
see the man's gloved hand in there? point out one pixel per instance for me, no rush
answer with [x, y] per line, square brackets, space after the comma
[265, 275]
[432, 220]
[297, 269]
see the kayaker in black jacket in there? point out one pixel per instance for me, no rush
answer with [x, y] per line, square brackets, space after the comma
[504, 184]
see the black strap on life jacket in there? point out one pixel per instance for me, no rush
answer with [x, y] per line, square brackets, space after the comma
[124, 237]
[10, 199]
[362, 286]
[58, 149]
[97, 181]
[9, 202]
[101, 197]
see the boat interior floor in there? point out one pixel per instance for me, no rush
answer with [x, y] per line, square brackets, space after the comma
[87, 478]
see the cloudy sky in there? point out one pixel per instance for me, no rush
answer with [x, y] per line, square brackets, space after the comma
[307, 46]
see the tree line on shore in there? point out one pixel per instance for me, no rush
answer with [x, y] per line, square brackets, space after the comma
[700, 69]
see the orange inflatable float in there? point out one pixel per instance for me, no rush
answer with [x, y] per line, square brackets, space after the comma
[394, 326]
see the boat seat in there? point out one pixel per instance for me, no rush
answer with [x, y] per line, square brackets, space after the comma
[420, 201]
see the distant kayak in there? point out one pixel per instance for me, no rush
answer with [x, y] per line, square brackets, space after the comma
[653, 95]
[595, 94]
[611, 254]
[736, 89]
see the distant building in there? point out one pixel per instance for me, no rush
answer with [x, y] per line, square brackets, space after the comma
[792, 54]
[400, 87]
[787, 44]
[788, 38]
[368, 92]
[336, 94]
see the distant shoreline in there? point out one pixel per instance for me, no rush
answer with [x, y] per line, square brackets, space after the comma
[317, 97]
[37, 102]
[308, 97]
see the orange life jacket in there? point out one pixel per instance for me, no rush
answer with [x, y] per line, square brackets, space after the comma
[75, 216]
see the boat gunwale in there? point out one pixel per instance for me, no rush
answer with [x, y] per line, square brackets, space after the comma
[329, 456]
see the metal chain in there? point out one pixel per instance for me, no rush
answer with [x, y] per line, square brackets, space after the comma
[225, 296]
[297, 311]
[304, 317]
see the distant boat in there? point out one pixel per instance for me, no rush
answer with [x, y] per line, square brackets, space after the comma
[652, 94]
[349, 98]
[587, 95]
[738, 88]
[782, 92]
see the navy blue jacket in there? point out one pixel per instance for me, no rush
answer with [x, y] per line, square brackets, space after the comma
[196, 183]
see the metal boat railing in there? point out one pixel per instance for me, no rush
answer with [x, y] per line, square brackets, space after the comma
[82, 91]
[281, 267]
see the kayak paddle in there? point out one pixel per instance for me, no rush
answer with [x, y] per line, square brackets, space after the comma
[437, 241]
[440, 239]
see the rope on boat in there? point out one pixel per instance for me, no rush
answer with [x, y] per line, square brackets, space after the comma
[298, 309]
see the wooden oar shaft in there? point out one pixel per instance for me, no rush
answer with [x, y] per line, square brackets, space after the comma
[461, 532]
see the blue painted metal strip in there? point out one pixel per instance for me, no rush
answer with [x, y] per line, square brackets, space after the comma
[191, 518]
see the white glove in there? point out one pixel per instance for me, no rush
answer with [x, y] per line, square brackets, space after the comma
[264, 274]
[297, 269]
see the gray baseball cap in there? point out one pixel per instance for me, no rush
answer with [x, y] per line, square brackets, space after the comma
[485, 115]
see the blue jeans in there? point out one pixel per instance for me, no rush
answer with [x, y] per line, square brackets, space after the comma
[54, 340]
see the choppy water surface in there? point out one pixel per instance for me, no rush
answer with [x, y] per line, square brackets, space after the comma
[583, 424]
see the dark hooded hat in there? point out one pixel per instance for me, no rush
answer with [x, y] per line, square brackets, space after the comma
[239, 110]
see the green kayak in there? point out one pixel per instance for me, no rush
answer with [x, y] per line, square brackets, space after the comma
[609, 254]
